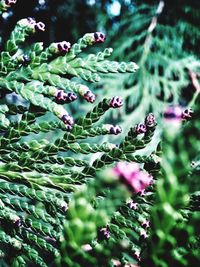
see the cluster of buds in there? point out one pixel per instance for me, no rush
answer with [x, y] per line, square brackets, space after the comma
[61, 97]
[150, 122]
[85, 92]
[67, 119]
[8, 3]
[91, 38]
[176, 113]
[103, 234]
[31, 24]
[131, 175]
[89, 96]
[60, 47]
[112, 129]
[116, 102]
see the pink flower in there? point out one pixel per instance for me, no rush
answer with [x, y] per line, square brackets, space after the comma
[99, 37]
[132, 176]
[116, 102]
[140, 128]
[63, 46]
[150, 121]
[10, 2]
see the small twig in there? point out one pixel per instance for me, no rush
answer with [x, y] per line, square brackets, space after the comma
[195, 81]
[196, 85]
[152, 26]
[155, 18]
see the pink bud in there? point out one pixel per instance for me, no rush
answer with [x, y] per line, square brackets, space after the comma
[115, 130]
[67, 119]
[89, 96]
[187, 113]
[132, 176]
[140, 128]
[62, 97]
[116, 102]
[10, 2]
[150, 120]
[99, 37]
[63, 46]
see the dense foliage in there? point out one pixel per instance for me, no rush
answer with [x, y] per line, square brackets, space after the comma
[71, 192]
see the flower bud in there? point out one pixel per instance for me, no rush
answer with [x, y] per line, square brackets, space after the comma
[99, 37]
[131, 175]
[67, 119]
[116, 102]
[89, 96]
[115, 130]
[71, 97]
[140, 128]
[63, 46]
[61, 97]
[112, 129]
[10, 2]
[150, 121]
[187, 114]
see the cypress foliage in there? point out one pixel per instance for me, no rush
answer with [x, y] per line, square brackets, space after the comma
[68, 200]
